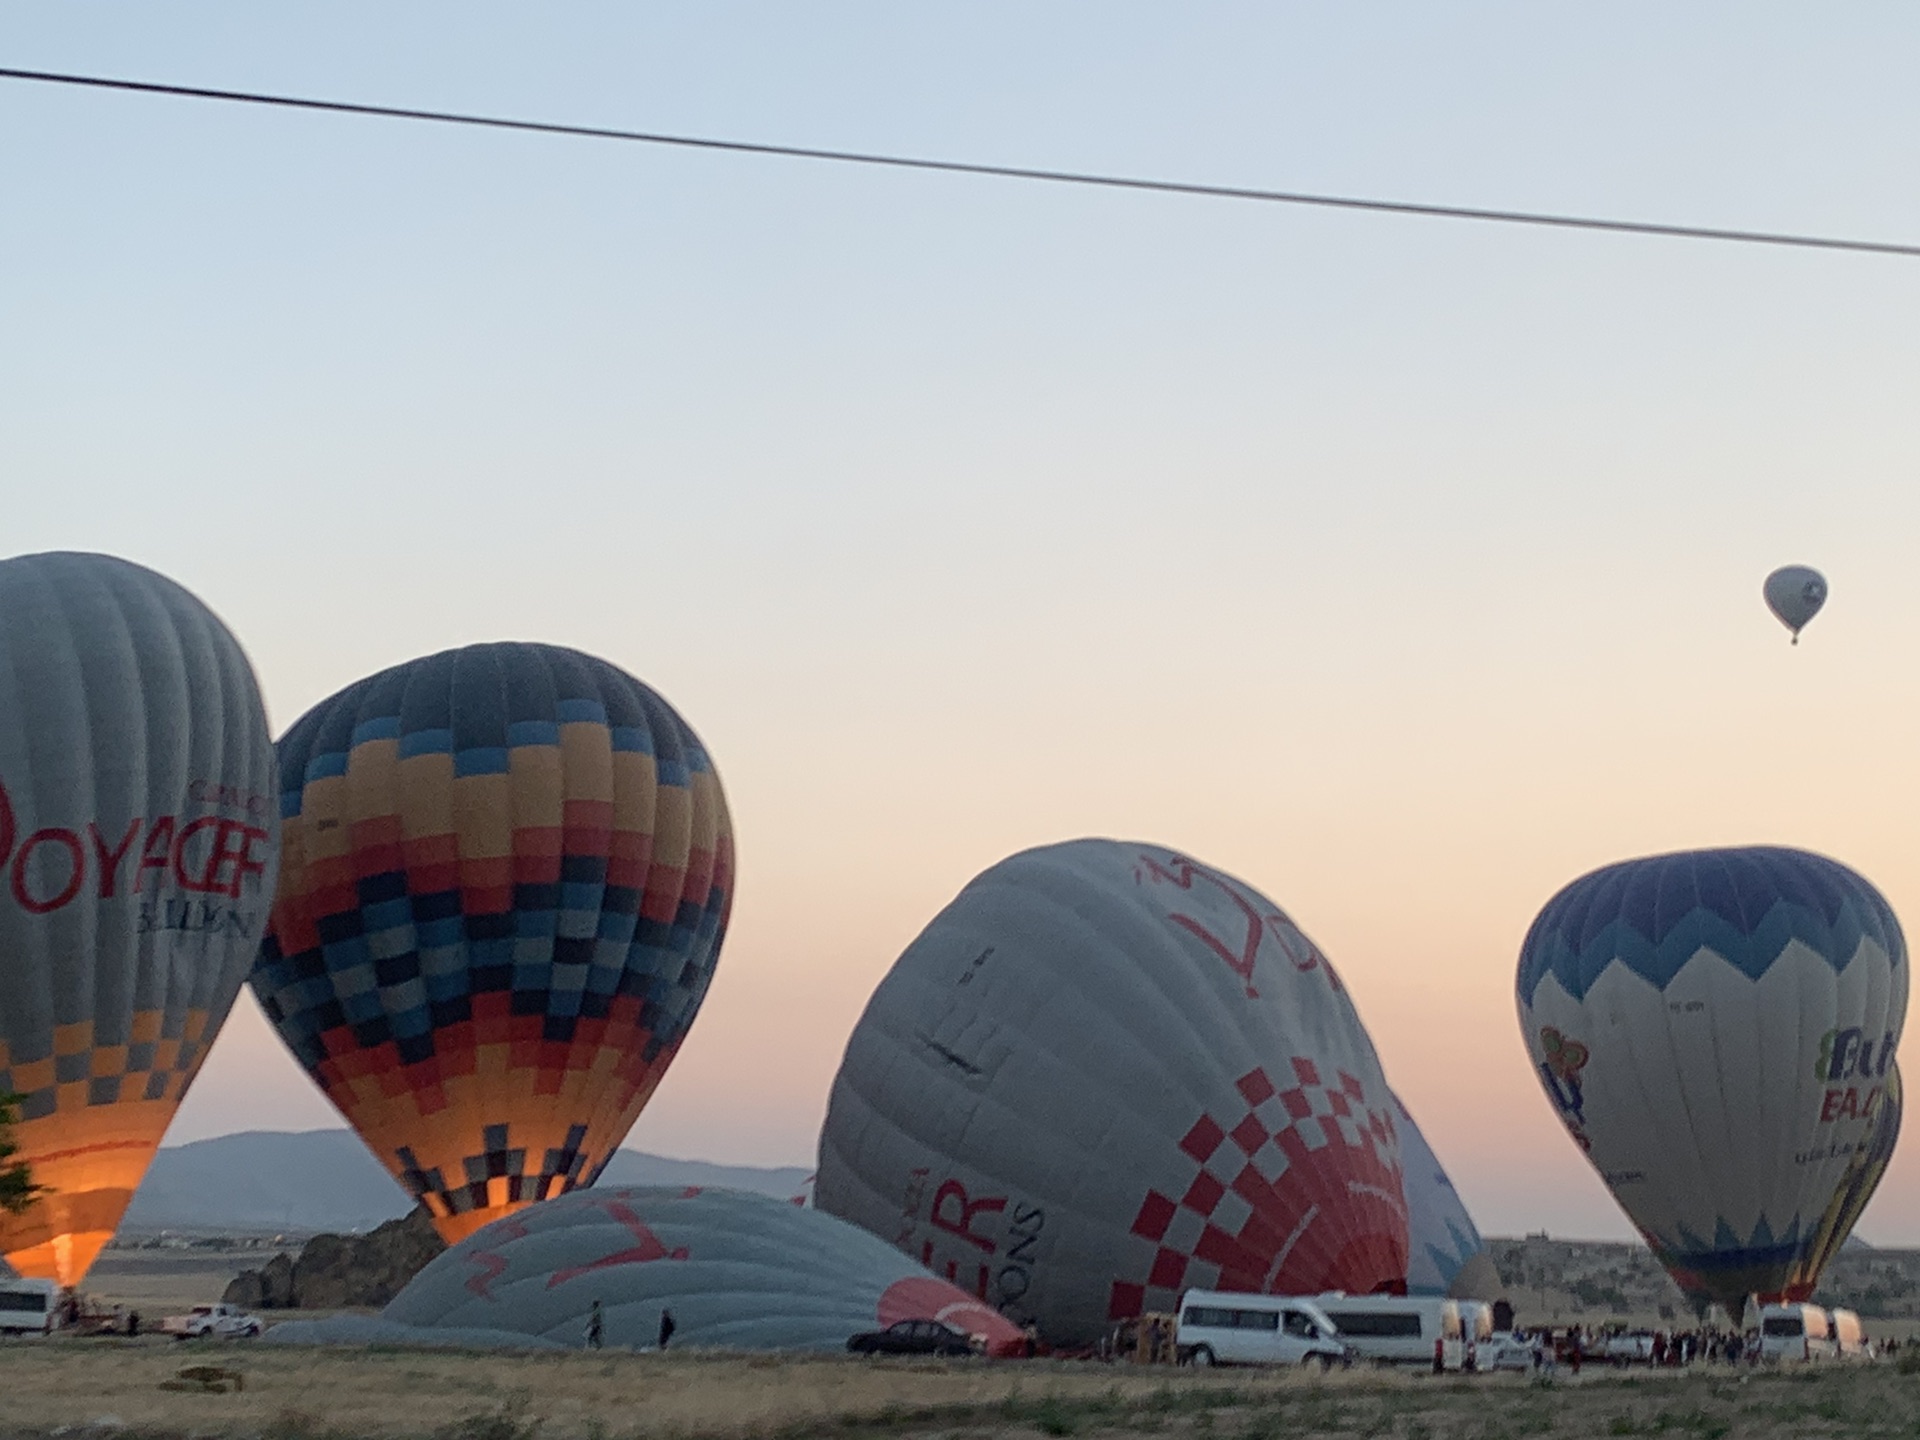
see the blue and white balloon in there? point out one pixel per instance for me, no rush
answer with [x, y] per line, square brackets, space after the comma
[1717, 1029]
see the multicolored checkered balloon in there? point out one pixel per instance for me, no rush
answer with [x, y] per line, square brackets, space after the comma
[507, 872]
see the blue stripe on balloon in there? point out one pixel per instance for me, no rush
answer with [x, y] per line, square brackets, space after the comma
[481, 760]
[381, 727]
[634, 739]
[532, 732]
[573, 711]
[426, 742]
[326, 765]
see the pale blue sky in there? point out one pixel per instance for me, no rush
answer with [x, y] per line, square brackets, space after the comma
[1406, 568]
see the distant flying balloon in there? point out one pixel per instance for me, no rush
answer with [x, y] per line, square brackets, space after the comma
[1795, 594]
[507, 876]
[137, 853]
[1717, 1030]
[1106, 1073]
[746, 1272]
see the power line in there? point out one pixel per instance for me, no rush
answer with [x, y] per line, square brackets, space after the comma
[965, 167]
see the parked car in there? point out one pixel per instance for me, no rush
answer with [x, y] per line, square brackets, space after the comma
[912, 1337]
[1629, 1347]
[214, 1322]
[1501, 1351]
[1230, 1328]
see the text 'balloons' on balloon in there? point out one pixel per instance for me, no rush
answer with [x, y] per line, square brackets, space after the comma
[741, 1271]
[1795, 593]
[1716, 1029]
[137, 845]
[1106, 1073]
[1445, 1254]
[507, 875]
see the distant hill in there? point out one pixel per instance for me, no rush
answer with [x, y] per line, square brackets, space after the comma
[313, 1180]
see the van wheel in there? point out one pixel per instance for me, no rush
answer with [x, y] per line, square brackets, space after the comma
[1325, 1362]
[1202, 1357]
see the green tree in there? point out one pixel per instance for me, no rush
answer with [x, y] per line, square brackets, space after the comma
[17, 1189]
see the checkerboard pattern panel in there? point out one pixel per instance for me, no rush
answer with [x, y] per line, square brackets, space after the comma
[158, 1063]
[1299, 1191]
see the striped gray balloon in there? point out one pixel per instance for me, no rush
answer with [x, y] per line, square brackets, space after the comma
[138, 831]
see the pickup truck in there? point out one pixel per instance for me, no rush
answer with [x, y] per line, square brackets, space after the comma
[216, 1322]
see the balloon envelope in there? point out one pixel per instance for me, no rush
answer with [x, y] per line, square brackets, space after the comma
[737, 1270]
[1717, 1030]
[1106, 1073]
[507, 876]
[137, 849]
[1795, 594]
[1445, 1254]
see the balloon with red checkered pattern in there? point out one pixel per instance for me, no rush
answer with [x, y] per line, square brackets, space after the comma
[1107, 1073]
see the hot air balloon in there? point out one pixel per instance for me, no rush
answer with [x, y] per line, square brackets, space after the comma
[1795, 594]
[1717, 1030]
[507, 875]
[1445, 1254]
[742, 1271]
[1106, 1073]
[137, 851]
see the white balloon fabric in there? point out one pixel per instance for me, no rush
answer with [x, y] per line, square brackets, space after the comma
[138, 846]
[1717, 1029]
[1445, 1254]
[1106, 1073]
[737, 1270]
[1795, 594]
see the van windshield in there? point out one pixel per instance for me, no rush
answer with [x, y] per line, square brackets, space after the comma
[31, 1302]
[1782, 1325]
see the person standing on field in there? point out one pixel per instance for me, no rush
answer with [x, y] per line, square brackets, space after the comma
[595, 1327]
[666, 1326]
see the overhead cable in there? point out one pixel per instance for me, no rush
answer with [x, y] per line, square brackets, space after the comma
[968, 167]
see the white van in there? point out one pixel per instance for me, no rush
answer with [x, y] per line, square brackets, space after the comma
[28, 1307]
[1849, 1336]
[1403, 1329]
[1221, 1328]
[1795, 1333]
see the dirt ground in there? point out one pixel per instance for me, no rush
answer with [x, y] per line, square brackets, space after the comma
[166, 1282]
[87, 1389]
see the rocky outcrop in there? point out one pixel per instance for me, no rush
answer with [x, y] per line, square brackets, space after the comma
[341, 1272]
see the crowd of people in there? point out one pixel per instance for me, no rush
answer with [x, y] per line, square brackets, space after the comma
[1574, 1346]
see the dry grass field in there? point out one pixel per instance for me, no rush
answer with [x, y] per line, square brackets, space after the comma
[102, 1388]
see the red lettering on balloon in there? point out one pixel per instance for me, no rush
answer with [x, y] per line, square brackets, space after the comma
[1240, 963]
[154, 853]
[110, 859]
[6, 823]
[962, 1224]
[76, 859]
[648, 1250]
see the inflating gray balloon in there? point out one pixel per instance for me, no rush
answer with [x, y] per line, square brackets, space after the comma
[1107, 1073]
[1795, 594]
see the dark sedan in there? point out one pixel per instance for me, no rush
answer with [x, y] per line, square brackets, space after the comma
[912, 1337]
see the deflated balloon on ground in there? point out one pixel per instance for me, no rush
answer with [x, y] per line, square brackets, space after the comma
[735, 1270]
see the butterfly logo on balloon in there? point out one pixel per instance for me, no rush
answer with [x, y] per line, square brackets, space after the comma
[1560, 1071]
